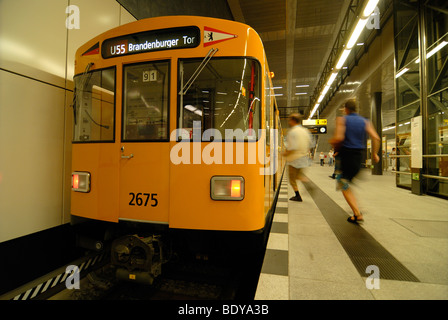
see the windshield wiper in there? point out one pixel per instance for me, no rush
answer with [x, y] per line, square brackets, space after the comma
[89, 65]
[198, 71]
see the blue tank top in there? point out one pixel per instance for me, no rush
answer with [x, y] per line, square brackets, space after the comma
[355, 132]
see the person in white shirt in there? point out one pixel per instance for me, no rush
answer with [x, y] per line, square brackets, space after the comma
[331, 157]
[298, 144]
[322, 158]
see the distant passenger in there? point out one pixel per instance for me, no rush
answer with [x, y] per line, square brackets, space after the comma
[298, 145]
[330, 157]
[322, 158]
[349, 142]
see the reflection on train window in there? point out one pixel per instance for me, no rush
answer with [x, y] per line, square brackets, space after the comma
[94, 106]
[146, 93]
[224, 95]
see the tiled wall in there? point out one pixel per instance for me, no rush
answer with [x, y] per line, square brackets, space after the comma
[36, 71]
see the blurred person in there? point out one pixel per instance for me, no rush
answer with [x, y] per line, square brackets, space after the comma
[298, 145]
[331, 157]
[322, 159]
[349, 142]
[393, 159]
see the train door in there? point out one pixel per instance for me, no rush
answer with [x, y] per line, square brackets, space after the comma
[145, 150]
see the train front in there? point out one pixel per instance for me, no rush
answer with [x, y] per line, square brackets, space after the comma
[172, 136]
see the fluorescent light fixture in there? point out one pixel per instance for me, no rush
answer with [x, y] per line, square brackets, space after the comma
[344, 67]
[326, 88]
[219, 101]
[314, 110]
[399, 74]
[303, 86]
[321, 97]
[223, 93]
[434, 51]
[205, 91]
[198, 112]
[400, 125]
[300, 93]
[95, 87]
[331, 79]
[277, 88]
[342, 59]
[356, 33]
[360, 44]
[368, 10]
[278, 94]
[190, 108]
[409, 122]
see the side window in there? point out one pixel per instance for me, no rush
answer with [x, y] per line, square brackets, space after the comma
[94, 111]
[145, 101]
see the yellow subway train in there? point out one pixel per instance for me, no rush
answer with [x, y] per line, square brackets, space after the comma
[176, 133]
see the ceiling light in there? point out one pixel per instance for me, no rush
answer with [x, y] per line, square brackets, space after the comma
[303, 86]
[300, 93]
[434, 51]
[314, 110]
[399, 74]
[368, 10]
[277, 88]
[342, 59]
[360, 44]
[331, 79]
[356, 33]
[278, 94]
[190, 107]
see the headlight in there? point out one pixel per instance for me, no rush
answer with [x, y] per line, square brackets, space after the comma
[81, 181]
[227, 188]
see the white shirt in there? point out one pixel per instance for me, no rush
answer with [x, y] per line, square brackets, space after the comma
[298, 140]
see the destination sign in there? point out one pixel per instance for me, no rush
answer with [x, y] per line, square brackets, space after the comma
[314, 122]
[154, 40]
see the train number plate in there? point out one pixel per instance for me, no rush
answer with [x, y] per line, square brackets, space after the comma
[143, 199]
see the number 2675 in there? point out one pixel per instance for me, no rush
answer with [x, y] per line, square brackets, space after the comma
[143, 199]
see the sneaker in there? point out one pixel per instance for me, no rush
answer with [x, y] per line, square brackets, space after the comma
[295, 198]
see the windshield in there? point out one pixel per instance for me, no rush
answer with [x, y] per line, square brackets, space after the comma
[94, 106]
[225, 95]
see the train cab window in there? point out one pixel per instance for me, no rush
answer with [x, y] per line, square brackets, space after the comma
[145, 101]
[223, 94]
[94, 106]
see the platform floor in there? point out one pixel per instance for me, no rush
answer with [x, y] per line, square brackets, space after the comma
[314, 253]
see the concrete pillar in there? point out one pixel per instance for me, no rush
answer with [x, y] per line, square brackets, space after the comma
[377, 121]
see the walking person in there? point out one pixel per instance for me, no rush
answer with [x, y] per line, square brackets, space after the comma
[349, 142]
[331, 157]
[322, 159]
[298, 145]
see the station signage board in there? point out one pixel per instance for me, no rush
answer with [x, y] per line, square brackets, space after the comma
[315, 122]
[149, 41]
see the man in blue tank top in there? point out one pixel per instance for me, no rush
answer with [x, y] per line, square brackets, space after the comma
[349, 141]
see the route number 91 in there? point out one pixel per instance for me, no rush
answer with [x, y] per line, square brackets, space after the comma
[142, 199]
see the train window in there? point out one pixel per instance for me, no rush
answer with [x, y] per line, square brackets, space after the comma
[145, 101]
[94, 106]
[224, 95]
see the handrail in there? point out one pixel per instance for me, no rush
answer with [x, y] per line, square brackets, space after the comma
[401, 172]
[435, 155]
[434, 177]
[400, 156]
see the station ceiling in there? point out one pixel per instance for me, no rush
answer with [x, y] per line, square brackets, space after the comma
[298, 35]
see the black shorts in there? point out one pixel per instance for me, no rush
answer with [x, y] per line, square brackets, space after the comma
[350, 162]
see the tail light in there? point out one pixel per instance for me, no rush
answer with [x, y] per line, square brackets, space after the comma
[227, 188]
[81, 181]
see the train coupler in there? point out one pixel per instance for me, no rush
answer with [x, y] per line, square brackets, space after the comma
[138, 259]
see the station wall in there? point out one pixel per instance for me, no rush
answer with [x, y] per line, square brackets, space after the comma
[36, 90]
